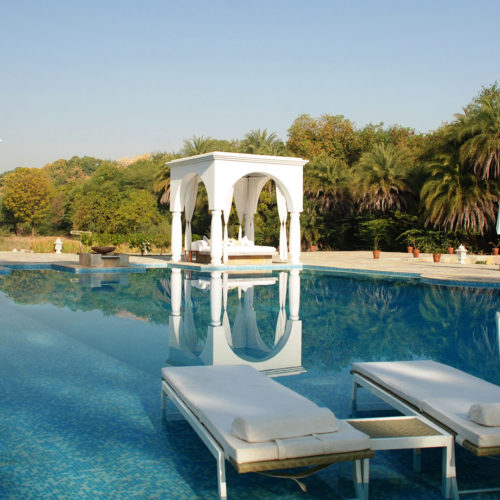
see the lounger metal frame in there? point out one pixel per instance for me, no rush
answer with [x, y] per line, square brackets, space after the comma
[360, 459]
[407, 408]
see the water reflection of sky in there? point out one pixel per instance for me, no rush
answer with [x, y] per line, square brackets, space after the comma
[81, 358]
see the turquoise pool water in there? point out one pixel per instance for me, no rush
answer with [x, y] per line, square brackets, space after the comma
[80, 360]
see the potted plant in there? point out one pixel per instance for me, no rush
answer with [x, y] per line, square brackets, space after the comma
[410, 237]
[376, 230]
[432, 244]
[495, 250]
[451, 246]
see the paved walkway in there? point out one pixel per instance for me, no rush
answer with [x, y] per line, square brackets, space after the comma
[447, 269]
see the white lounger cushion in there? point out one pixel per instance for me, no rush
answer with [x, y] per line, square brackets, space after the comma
[443, 392]
[486, 414]
[219, 394]
[257, 429]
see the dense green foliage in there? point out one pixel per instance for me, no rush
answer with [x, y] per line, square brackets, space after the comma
[26, 196]
[362, 186]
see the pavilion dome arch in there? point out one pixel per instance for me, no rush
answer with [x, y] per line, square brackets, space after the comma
[179, 189]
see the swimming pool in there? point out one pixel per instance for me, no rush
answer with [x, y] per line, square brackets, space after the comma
[80, 360]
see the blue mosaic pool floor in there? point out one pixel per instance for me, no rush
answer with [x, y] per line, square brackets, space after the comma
[78, 419]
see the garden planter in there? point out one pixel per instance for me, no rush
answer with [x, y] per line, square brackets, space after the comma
[376, 254]
[416, 253]
[436, 257]
[409, 249]
[495, 251]
[451, 250]
[313, 248]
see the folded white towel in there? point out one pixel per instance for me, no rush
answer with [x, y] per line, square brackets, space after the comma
[262, 428]
[485, 414]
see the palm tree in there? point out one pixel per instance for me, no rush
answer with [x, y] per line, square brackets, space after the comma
[199, 145]
[328, 181]
[261, 143]
[162, 184]
[479, 127]
[454, 198]
[382, 179]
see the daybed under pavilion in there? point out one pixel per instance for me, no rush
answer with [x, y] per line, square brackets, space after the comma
[242, 176]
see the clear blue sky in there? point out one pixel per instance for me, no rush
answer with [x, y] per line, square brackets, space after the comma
[119, 78]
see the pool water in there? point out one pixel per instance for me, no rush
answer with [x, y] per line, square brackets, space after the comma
[80, 360]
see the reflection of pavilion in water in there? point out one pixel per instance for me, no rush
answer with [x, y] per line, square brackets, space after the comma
[242, 343]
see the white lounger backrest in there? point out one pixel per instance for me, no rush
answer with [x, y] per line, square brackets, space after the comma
[439, 390]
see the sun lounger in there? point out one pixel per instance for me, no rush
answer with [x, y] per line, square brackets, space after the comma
[439, 392]
[221, 401]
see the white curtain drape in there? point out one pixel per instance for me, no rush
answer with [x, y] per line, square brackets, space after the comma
[226, 213]
[281, 323]
[190, 202]
[283, 214]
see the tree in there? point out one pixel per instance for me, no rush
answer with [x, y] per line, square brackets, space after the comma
[382, 179]
[328, 181]
[137, 212]
[259, 142]
[27, 195]
[96, 203]
[455, 198]
[76, 168]
[332, 136]
[199, 145]
[162, 184]
[479, 128]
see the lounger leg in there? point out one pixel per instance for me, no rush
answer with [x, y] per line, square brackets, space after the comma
[354, 397]
[357, 477]
[366, 476]
[449, 486]
[163, 400]
[221, 475]
[417, 460]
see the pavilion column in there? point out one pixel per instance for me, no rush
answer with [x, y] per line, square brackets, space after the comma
[294, 245]
[176, 291]
[216, 237]
[294, 294]
[176, 241]
[215, 298]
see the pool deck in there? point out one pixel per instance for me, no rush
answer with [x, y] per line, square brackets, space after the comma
[389, 263]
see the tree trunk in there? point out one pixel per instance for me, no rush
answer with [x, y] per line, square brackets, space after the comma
[32, 230]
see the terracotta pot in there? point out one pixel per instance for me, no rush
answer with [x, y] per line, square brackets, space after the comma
[409, 249]
[376, 254]
[495, 250]
[451, 250]
[313, 248]
[436, 257]
[416, 253]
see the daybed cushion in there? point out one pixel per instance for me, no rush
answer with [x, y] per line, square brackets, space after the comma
[219, 394]
[442, 392]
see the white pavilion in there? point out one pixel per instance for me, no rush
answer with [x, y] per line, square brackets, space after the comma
[242, 177]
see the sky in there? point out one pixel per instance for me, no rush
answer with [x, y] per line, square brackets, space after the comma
[116, 78]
